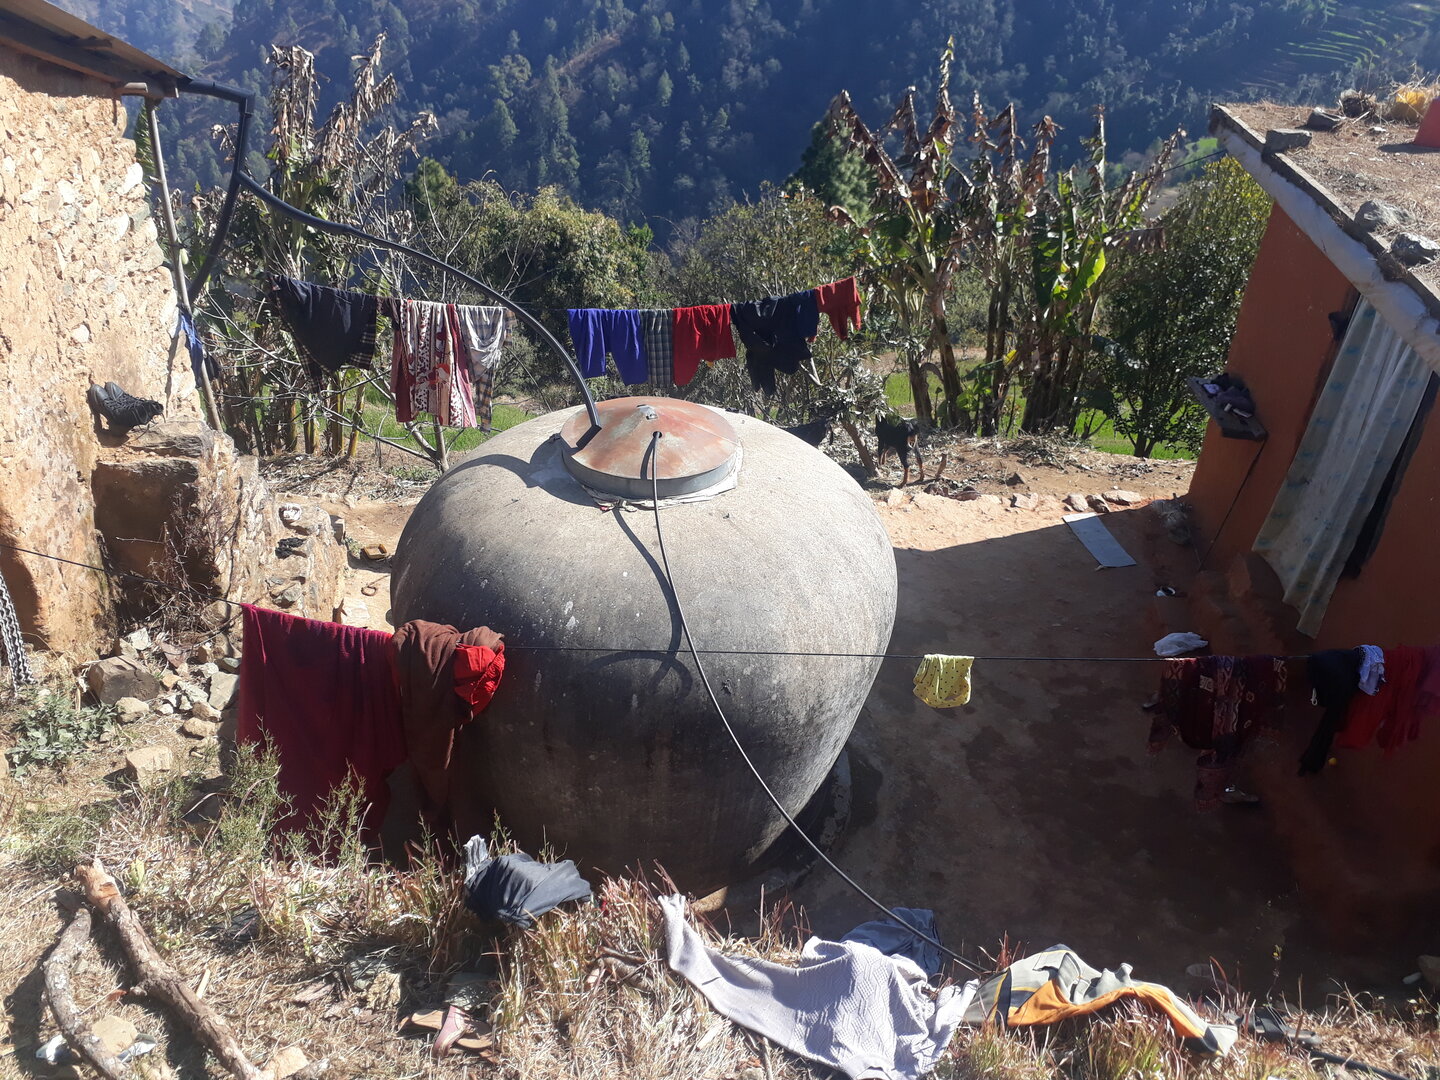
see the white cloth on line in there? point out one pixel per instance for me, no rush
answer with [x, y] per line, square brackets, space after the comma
[1372, 668]
[845, 1005]
[1175, 644]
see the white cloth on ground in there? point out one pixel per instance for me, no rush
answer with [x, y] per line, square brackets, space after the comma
[845, 1005]
[1372, 668]
[1175, 644]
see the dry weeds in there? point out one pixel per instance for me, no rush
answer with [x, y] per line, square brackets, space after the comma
[331, 953]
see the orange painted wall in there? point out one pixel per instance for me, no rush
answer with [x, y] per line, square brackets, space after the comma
[1282, 346]
[1363, 838]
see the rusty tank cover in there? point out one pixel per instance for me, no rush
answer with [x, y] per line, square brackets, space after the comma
[697, 448]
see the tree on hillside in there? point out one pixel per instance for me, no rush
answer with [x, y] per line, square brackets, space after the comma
[1172, 312]
[831, 175]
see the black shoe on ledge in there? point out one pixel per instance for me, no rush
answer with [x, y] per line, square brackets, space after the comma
[123, 411]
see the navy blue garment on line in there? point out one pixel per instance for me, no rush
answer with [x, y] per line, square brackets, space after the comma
[776, 333]
[597, 331]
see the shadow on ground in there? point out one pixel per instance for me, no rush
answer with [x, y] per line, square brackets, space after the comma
[1035, 812]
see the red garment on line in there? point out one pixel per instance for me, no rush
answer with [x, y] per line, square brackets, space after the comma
[1427, 687]
[841, 301]
[1388, 716]
[324, 697]
[700, 333]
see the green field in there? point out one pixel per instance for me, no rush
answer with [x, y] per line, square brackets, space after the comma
[899, 397]
[379, 416]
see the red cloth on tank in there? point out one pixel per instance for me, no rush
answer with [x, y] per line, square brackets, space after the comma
[323, 696]
[841, 301]
[700, 333]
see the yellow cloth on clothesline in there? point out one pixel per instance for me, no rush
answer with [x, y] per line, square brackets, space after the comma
[943, 682]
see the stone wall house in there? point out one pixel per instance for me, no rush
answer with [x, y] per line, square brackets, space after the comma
[86, 297]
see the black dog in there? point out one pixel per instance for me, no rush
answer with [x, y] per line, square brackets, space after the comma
[902, 436]
[815, 432]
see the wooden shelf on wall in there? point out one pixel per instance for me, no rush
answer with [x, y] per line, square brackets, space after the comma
[1231, 426]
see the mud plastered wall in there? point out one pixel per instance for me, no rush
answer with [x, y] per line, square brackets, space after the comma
[84, 297]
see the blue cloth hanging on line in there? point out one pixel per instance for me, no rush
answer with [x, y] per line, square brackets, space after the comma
[199, 361]
[597, 331]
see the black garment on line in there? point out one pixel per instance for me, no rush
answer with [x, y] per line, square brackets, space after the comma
[1335, 678]
[516, 888]
[776, 332]
[334, 328]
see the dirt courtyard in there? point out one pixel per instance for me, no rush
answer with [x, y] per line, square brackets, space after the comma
[1034, 813]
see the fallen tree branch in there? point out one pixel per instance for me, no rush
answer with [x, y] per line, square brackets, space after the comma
[155, 977]
[73, 1027]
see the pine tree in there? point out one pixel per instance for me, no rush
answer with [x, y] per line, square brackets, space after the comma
[835, 177]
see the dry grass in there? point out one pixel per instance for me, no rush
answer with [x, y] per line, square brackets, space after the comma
[331, 953]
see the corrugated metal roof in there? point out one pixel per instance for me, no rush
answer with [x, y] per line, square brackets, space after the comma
[45, 31]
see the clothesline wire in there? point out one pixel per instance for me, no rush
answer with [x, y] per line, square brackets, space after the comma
[725, 720]
[130, 575]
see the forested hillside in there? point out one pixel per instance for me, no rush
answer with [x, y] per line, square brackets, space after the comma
[668, 109]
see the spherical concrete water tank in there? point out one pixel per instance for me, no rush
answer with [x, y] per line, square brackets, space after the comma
[602, 740]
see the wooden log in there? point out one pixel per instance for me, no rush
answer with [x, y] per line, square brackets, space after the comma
[156, 978]
[73, 1027]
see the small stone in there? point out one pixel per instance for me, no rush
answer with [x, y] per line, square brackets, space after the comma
[165, 709]
[354, 612]
[203, 654]
[1076, 501]
[285, 1063]
[230, 663]
[338, 525]
[1412, 249]
[1025, 501]
[290, 513]
[290, 597]
[118, 677]
[895, 497]
[1375, 214]
[134, 176]
[203, 710]
[1096, 503]
[1121, 497]
[207, 670]
[1320, 120]
[222, 689]
[200, 729]
[115, 1032]
[1014, 479]
[80, 334]
[149, 763]
[968, 495]
[130, 709]
[1280, 140]
[139, 640]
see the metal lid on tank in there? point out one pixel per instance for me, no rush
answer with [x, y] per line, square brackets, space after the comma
[697, 449]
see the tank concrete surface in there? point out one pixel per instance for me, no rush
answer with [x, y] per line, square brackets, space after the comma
[1035, 812]
[602, 739]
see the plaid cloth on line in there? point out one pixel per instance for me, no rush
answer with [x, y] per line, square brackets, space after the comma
[483, 331]
[658, 340]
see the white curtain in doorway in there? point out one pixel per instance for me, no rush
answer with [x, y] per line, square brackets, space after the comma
[1356, 430]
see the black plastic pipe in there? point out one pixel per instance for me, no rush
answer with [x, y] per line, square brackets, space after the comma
[246, 101]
